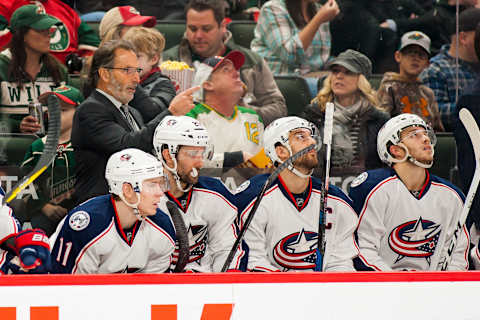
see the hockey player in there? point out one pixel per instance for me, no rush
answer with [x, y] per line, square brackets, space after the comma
[26, 251]
[406, 215]
[123, 231]
[283, 234]
[182, 144]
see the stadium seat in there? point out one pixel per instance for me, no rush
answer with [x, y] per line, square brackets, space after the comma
[172, 30]
[76, 81]
[242, 32]
[296, 92]
[13, 147]
[445, 159]
[94, 26]
[375, 80]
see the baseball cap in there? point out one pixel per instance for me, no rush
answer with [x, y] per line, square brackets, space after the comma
[204, 69]
[67, 94]
[354, 61]
[415, 37]
[468, 19]
[124, 15]
[33, 17]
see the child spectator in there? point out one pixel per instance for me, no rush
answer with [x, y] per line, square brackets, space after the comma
[403, 92]
[156, 91]
[55, 185]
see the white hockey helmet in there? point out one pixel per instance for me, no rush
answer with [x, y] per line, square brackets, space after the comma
[278, 132]
[176, 131]
[131, 166]
[390, 134]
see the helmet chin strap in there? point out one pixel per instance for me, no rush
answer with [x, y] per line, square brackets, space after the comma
[134, 206]
[292, 168]
[412, 159]
[176, 176]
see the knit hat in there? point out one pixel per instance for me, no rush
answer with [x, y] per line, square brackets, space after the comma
[204, 69]
[124, 15]
[468, 19]
[415, 37]
[67, 94]
[354, 61]
[33, 17]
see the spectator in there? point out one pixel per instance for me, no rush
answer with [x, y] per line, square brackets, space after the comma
[293, 36]
[283, 234]
[182, 144]
[403, 92]
[55, 185]
[466, 157]
[27, 70]
[441, 75]
[206, 36]
[119, 19]
[71, 37]
[142, 238]
[357, 118]
[221, 89]
[104, 123]
[407, 216]
[156, 93]
[438, 23]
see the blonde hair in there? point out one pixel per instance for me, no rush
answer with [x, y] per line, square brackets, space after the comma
[326, 93]
[146, 40]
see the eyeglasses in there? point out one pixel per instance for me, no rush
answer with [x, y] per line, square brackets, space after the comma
[128, 70]
[420, 134]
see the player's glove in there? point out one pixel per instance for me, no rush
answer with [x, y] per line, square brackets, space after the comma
[33, 249]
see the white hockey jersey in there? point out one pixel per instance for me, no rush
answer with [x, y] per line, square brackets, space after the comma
[283, 234]
[8, 226]
[90, 239]
[398, 231]
[209, 216]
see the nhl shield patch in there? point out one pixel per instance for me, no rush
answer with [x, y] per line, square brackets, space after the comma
[79, 220]
[242, 187]
[359, 180]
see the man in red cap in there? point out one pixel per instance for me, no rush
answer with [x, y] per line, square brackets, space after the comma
[118, 19]
[72, 37]
[221, 90]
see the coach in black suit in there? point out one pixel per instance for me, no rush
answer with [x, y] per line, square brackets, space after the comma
[104, 123]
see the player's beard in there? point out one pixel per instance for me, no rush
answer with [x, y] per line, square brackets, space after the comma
[187, 177]
[308, 161]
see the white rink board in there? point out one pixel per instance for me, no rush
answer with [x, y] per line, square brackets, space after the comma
[276, 300]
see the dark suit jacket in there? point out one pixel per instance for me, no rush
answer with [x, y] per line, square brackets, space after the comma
[99, 130]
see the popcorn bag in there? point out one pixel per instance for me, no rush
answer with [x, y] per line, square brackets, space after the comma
[179, 73]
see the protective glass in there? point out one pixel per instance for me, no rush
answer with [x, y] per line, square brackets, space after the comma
[197, 154]
[157, 186]
[420, 134]
[304, 135]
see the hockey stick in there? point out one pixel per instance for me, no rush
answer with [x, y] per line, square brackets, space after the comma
[267, 183]
[327, 140]
[474, 133]
[49, 150]
[181, 235]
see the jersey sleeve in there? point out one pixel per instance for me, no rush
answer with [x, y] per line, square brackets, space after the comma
[370, 208]
[73, 251]
[344, 248]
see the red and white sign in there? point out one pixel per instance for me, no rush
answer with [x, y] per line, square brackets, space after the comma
[408, 295]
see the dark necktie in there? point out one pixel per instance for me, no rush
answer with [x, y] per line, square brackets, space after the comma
[131, 121]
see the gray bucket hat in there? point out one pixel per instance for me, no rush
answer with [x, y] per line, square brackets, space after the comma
[354, 61]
